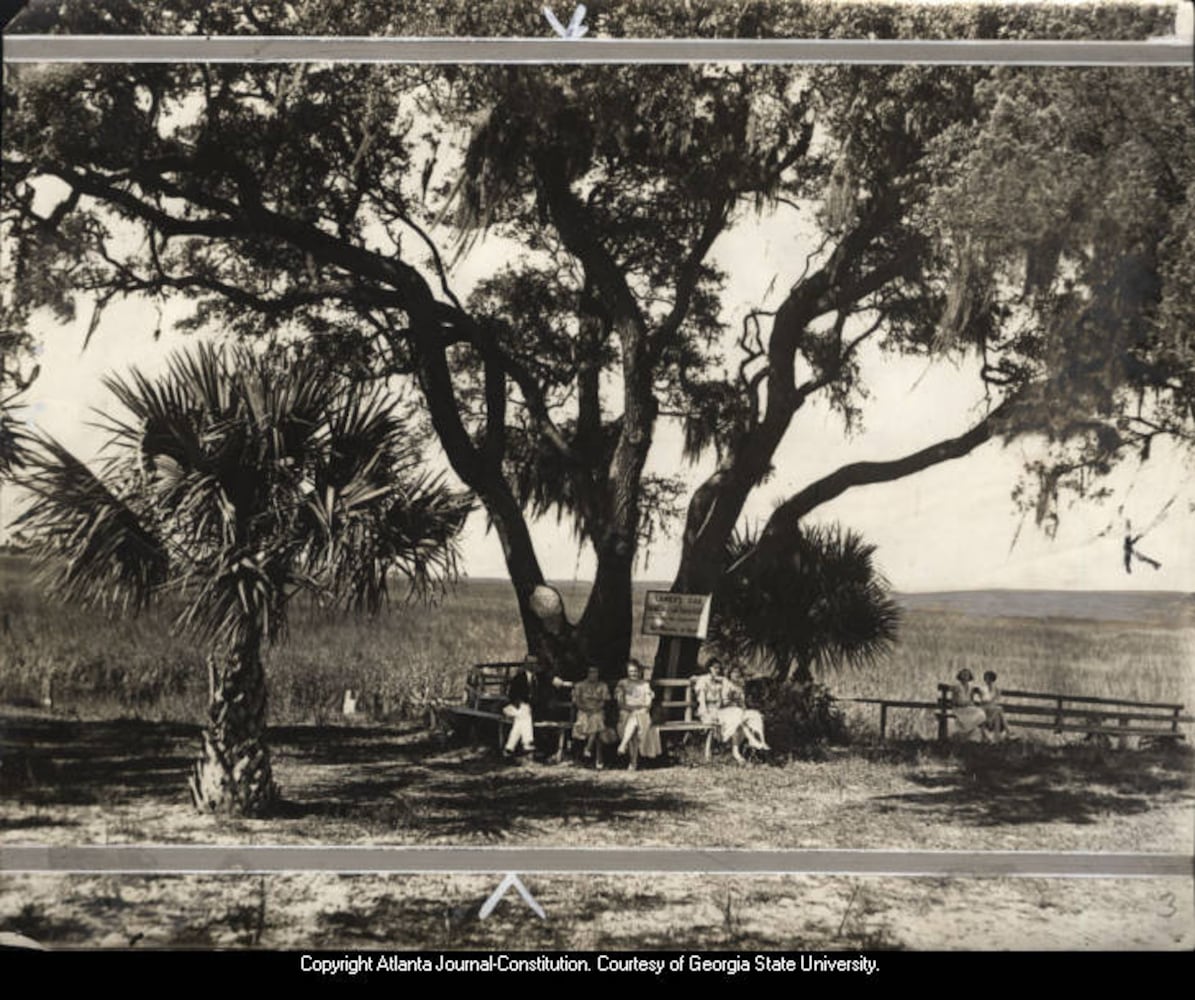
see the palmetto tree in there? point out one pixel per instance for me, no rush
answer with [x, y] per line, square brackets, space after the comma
[809, 600]
[235, 480]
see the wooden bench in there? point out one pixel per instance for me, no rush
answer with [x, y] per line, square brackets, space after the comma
[485, 697]
[1065, 713]
[676, 708]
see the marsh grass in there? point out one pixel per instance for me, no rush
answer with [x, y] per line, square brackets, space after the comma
[412, 658]
[1103, 659]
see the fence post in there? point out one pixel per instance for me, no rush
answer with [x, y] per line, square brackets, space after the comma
[1058, 717]
[943, 706]
[1174, 724]
[883, 719]
[1122, 742]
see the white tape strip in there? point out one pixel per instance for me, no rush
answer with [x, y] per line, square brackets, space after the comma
[185, 859]
[1171, 51]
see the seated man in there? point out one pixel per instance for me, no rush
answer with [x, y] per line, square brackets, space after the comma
[521, 691]
[529, 694]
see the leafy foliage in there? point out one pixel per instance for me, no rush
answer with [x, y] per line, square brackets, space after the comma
[16, 348]
[607, 18]
[798, 718]
[814, 603]
[1087, 280]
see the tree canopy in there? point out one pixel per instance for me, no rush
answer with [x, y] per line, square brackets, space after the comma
[1036, 220]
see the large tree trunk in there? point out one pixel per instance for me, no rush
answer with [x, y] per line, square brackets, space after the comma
[604, 633]
[233, 776]
[555, 640]
[607, 623]
[717, 504]
[713, 511]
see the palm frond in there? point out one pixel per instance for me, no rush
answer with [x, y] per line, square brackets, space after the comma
[258, 477]
[409, 530]
[812, 597]
[15, 441]
[95, 546]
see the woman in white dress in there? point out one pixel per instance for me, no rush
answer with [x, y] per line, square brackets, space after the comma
[639, 736]
[964, 702]
[751, 724]
[717, 702]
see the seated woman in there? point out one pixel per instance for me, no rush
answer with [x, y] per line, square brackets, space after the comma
[716, 703]
[708, 689]
[634, 696]
[969, 715]
[734, 695]
[590, 696]
[989, 701]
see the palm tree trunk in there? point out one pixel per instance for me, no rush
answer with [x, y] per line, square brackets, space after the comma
[233, 775]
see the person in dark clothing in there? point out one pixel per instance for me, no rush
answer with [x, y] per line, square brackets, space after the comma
[529, 695]
[521, 695]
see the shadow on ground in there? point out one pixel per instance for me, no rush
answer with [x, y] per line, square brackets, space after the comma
[380, 780]
[54, 761]
[33, 922]
[1014, 784]
[410, 785]
[424, 791]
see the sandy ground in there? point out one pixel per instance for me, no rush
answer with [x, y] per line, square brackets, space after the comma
[70, 782]
[601, 912]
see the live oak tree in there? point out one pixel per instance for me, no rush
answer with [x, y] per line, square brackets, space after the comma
[332, 201]
[236, 480]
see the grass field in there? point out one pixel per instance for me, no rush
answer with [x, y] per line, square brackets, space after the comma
[1129, 646]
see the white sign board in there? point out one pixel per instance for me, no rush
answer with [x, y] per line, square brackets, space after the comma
[683, 615]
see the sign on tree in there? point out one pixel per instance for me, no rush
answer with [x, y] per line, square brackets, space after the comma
[684, 616]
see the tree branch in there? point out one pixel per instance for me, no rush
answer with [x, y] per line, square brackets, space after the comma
[845, 353]
[867, 473]
[690, 271]
[576, 233]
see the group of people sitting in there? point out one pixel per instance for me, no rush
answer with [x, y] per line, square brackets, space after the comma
[721, 700]
[977, 708]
